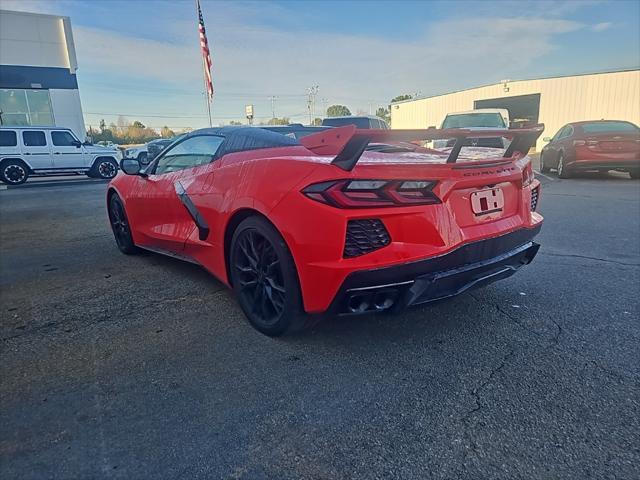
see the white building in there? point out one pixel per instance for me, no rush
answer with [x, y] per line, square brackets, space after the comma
[553, 101]
[38, 66]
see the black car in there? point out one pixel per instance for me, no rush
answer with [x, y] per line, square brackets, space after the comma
[365, 122]
[296, 130]
[154, 147]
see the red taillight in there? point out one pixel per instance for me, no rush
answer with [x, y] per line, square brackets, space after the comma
[373, 193]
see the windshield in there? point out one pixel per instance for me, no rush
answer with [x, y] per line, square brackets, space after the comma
[468, 120]
[607, 127]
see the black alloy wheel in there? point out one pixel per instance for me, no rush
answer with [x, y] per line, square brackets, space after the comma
[264, 277]
[14, 173]
[562, 169]
[120, 226]
[107, 169]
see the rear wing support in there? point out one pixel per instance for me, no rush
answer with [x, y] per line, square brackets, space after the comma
[348, 143]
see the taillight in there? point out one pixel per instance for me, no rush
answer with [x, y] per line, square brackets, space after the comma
[373, 193]
[527, 175]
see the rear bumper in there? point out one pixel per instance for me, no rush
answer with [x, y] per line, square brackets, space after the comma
[613, 164]
[469, 266]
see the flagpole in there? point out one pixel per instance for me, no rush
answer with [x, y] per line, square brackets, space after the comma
[206, 93]
[204, 73]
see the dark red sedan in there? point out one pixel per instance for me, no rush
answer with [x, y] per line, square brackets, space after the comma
[599, 145]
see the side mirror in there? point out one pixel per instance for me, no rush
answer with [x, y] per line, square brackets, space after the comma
[130, 166]
[76, 143]
[546, 139]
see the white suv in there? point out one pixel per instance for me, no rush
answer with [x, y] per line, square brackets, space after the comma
[26, 151]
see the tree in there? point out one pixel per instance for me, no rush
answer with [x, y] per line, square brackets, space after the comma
[166, 132]
[317, 121]
[279, 121]
[401, 98]
[103, 125]
[338, 111]
[235, 122]
[384, 114]
[138, 124]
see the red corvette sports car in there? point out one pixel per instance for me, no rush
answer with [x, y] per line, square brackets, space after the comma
[343, 221]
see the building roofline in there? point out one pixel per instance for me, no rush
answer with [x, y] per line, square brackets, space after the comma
[425, 97]
[4, 10]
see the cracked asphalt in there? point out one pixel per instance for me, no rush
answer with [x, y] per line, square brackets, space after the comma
[144, 367]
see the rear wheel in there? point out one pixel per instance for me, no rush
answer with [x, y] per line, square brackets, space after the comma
[14, 172]
[143, 158]
[562, 169]
[264, 278]
[120, 226]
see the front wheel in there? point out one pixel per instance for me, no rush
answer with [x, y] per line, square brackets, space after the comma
[14, 172]
[562, 169]
[543, 167]
[264, 278]
[105, 168]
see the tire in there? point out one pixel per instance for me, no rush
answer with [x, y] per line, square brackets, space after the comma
[543, 168]
[120, 226]
[143, 158]
[264, 278]
[635, 174]
[14, 172]
[105, 168]
[563, 172]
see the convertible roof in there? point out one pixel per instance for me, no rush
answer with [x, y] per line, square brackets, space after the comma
[240, 139]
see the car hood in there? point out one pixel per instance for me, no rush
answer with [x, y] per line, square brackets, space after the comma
[100, 149]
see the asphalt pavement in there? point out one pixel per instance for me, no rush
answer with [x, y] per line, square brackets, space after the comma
[144, 367]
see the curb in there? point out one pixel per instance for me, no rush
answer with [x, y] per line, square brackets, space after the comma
[59, 183]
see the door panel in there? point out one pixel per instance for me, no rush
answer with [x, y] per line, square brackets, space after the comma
[36, 148]
[66, 154]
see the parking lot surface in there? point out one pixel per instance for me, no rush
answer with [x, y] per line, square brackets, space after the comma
[144, 367]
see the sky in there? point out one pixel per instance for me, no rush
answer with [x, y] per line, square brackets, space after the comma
[141, 58]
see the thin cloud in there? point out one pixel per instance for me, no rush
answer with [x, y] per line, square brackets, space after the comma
[601, 27]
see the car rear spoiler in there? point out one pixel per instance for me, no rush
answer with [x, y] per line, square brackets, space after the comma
[348, 143]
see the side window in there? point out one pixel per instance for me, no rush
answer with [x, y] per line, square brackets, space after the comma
[190, 153]
[34, 138]
[8, 138]
[63, 139]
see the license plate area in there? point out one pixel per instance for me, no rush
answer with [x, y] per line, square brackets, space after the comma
[490, 200]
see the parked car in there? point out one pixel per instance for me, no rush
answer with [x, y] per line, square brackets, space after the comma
[295, 130]
[320, 224]
[479, 119]
[154, 147]
[597, 145]
[139, 152]
[362, 122]
[26, 151]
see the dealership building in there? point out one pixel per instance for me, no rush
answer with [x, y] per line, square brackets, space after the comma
[554, 101]
[38, 84]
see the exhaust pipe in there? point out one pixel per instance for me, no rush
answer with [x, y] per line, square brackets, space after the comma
[383, 300]
[358, 303]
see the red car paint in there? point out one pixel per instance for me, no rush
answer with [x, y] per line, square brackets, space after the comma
[594, 145]
[270, 182]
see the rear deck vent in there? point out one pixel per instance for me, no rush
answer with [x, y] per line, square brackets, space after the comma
[364, 236]
[535, 193]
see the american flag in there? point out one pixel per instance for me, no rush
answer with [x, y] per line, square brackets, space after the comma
[206, 55]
